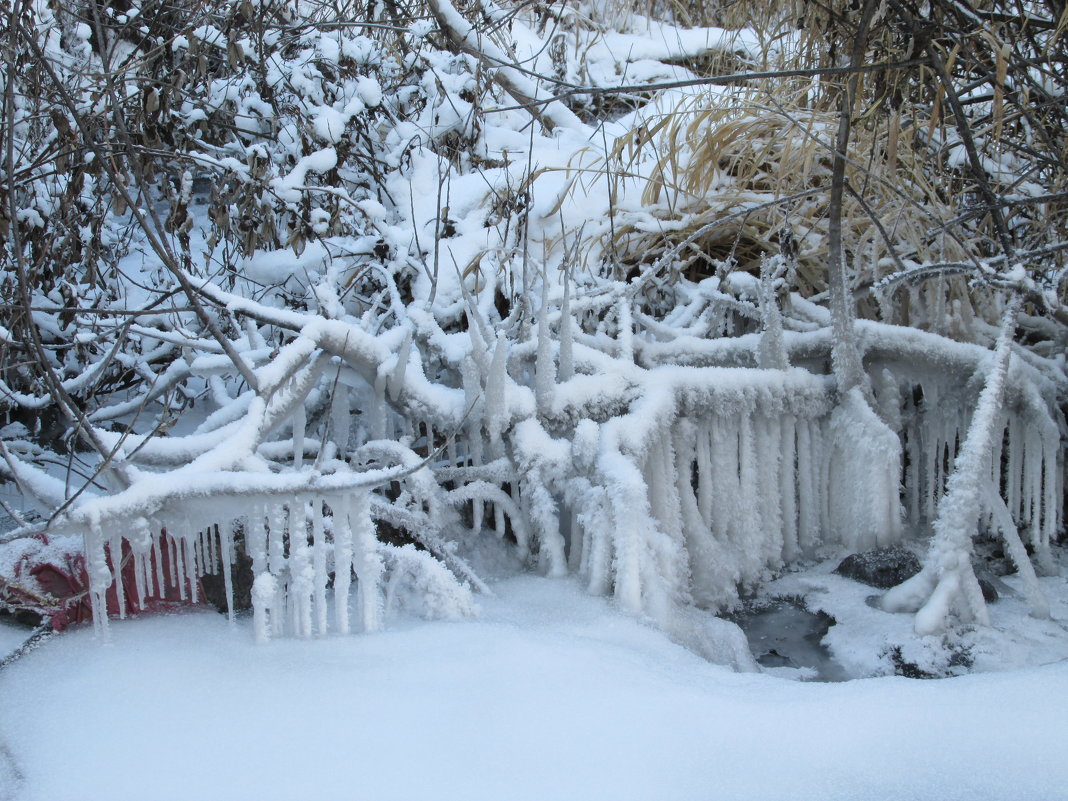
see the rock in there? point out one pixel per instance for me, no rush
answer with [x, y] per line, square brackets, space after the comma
[880, 567]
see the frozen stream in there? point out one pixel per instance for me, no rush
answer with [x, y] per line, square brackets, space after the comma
[782, 634]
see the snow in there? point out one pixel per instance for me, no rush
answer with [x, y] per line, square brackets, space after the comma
[551, 694]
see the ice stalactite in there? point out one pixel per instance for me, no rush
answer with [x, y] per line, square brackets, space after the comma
[342, 562]
[319, 561]
[226, 555]
[99, 574]
[791, 549]
[366, 561]
[301, 584]
[494, 403]
[713, 571]
[339, 419]
[864, 470]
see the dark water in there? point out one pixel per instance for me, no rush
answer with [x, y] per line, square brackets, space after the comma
[782, 633]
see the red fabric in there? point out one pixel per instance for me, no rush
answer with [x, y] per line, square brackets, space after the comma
[65, 579]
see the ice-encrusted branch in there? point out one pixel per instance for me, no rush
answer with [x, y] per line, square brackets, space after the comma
[947, 581]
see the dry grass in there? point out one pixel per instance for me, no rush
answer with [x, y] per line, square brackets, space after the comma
[718, 154]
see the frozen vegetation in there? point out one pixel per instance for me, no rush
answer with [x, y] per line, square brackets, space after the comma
[341, 315]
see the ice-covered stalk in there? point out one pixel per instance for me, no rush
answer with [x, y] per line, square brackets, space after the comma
[771, 354]
[567, 336]
[1014, 547]
[625, 336]
[947, 581]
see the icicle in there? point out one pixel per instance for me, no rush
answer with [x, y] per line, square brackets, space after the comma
[256, 539]
[494, 402]
[226, 550]
[723, 467]
[788, 490]
[319, 566]
[498, 521]
[264, 594]
[213, 550]
[276, 560]
[376, 424]
[575, 546]
[808, 503]
[1051, 487]
[820, 468]
[178, 557]
[596, 520]
[172, 562]
[544, 367]
[300, 423]
[522, 541]
[704, 474]
[543, 513]
[302, 582]
[662, 481]
[628, 540]
[339, 420]
[1033, 468]
[140, 548]
[749, 501]
[100, 575]
[115, 546]
[1013, 470]
[914, 441]
[157, 556]
[713, 580]
[567, 359]
[366, 561]
[342, 563]
[263, 586]
[768, 441]
[396, 380]
[188, 544]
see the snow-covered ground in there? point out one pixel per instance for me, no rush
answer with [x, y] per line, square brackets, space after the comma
[548, 694]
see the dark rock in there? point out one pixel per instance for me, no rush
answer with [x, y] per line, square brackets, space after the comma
[955, 660]
[881, 567]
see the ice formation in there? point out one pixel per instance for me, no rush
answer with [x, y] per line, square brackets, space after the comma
[458, 355]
